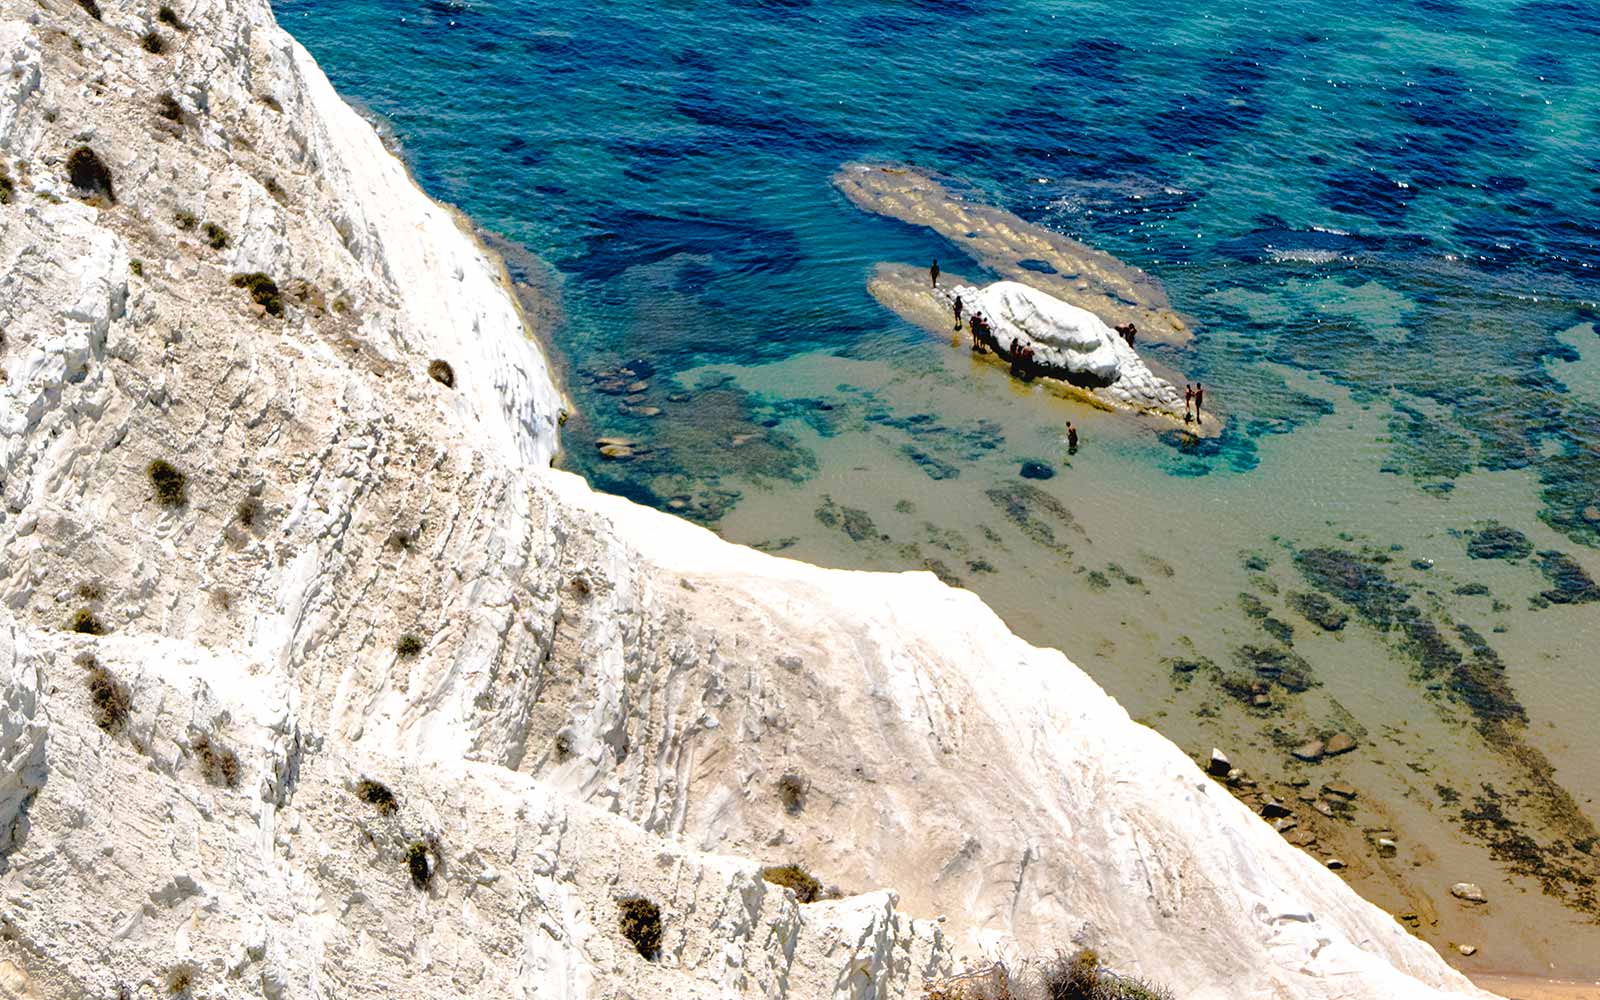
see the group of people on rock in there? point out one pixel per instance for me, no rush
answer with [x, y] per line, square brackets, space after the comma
[983, 341]
[1128, 331]
[1194, 396]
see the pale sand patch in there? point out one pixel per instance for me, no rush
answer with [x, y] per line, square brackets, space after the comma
[1088, 278]
[1533, 988]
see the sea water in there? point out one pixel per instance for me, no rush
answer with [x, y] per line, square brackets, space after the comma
[1382, 219]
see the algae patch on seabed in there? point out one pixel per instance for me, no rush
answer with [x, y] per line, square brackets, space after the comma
[1013, 248]
[1037, 515]
[1537, 830]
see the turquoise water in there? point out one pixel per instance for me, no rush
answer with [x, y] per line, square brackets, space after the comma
[674, 166]
[1382, 219]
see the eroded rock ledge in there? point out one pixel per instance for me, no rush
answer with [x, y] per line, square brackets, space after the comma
[354, 572]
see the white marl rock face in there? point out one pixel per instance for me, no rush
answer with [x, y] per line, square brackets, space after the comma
[608, 703]
[1066, 337]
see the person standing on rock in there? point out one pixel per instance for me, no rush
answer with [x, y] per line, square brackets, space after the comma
[1188, 401]
[957, 307]
[1072, 439]
[933, 272]
[1199, 399]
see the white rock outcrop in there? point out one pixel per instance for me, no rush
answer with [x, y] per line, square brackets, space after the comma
[1069, 342]
[604, 703]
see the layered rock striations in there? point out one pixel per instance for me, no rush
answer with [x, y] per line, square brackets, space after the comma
[354, 696]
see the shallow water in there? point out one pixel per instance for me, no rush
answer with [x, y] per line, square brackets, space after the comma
[1382, 221]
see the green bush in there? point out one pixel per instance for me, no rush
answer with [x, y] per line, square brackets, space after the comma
[1079, 976]
[248, 512]
[263, 290]
[169, 17]
[640, 921]
[89, 174]
[110, 697]
[7, 186]
[377, 795]
[84, 622]
[408, 646]
[218, 764]
[418, 862]
[91, 8]
[186, 220]
[442, 373]
[216, 236]
[806, 888]
[153, 43]
[172, 486]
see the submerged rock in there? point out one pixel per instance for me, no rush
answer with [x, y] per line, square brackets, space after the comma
[1037, 470]
[1496, 541]
[1573, 585]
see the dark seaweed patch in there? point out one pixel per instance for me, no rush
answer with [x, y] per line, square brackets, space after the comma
[1572, 585]
[1036, 513]
[1496, 541]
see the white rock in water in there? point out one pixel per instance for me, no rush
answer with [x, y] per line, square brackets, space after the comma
[1067, 338]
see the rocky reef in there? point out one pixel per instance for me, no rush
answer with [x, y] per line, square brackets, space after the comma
[316, 681]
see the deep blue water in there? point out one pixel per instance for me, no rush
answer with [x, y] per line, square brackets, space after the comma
[672, 160]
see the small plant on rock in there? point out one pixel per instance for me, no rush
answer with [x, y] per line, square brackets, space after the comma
[792, 793]
[640, 921]
[806, 888]
[169, 17]
[218, 764]
[248, 512]
[216, 237]
[442, 373]
[409, 646]
[153, 43]
[168, 107]
[263, 291]
[89, 174]
[84, 622]
[377, 795]
[7, 186]
[185, 220]
[172, 486]
[420, 864]
[110, 697]
[180, 979]
[91, 8]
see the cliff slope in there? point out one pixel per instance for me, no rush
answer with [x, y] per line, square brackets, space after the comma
[315, 681]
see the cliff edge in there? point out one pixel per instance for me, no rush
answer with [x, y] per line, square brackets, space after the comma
[316, 681]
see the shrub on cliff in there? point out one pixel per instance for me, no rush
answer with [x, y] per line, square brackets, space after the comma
[89, 174]
[218, 764]
[153, 43]
[110, 698]
[377, 795]
[420, 864]
[216, 236]
[1079, 977]
[263, 290]
[409, 646]
[640, 921]
[442, 373]
[169, 17]
[172, 486]
[84, 622]
[7, 187]
[806, 888]
[91, 8]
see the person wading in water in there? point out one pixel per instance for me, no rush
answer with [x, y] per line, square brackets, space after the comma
[1072, 439]
[933, 272]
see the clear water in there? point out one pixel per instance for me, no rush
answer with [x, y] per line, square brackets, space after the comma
[1383, 218]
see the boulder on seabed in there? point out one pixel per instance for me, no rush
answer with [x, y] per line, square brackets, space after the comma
[1219, 765]
[1468, 892]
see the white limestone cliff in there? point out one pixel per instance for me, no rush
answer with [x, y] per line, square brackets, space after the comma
[608, 703]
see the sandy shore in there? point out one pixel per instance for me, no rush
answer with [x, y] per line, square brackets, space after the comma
[1534, 988]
